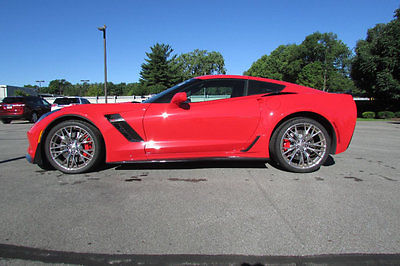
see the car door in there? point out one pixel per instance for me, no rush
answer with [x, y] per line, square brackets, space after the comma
[214, 122]
[37, 105]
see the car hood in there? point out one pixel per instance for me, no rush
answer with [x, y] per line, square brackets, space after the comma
[102, 109]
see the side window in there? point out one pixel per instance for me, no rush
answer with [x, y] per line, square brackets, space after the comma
[38, 102]
[261, 87]
[44, 102]
[30, 101]
[210, 90]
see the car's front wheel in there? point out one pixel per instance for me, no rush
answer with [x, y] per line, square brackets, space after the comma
[6, 121]
[74, 147]
[300, 145]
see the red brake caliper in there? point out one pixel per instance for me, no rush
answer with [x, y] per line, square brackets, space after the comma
[87, 146]
[286, 144]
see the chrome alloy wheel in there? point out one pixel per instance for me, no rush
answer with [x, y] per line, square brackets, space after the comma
[303, 145]
[72, 147]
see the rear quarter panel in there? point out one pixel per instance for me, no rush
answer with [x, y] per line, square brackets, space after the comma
[338, 109]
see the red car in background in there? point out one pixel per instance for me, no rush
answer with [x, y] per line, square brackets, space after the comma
[23, 108]
[208, 117]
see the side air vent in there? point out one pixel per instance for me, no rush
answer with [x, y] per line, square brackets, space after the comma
[124, 128]
[251, 145]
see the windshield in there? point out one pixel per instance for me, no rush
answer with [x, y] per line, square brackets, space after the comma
[165, 96]
[66, 101]
[13, 100]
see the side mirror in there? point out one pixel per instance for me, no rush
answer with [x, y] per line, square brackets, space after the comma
[179, 98]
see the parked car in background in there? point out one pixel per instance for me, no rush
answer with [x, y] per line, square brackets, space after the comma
[62, 102]
[23, 108]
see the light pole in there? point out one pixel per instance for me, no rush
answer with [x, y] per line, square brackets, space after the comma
[84, 82]
[103, 29]
[40, 84]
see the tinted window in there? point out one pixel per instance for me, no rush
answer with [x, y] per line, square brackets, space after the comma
[210, 90]
[45, 102]
[13, 100]
[84, 101]
[33, 100]
[166, 96]
[66, 101]
[261, 87]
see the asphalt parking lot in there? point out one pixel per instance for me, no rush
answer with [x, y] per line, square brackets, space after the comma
[349, 206]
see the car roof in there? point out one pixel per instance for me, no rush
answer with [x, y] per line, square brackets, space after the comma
[242, 77]
[21, 97]
[70, 97]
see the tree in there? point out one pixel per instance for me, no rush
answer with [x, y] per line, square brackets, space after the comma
[95, 89]
[376, 66]
[135, 89]
[60, 86]
[321, 61]
[332, 54]
[160, 70]
[20, 93]
[200, 62]
[30, 86]
[281, 64]
[312, 75]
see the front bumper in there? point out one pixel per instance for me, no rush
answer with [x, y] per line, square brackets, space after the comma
[28, 158]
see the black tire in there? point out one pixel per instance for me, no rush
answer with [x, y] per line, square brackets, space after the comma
[34, 117]
[74, 147]
[6, 121]
[300, 145]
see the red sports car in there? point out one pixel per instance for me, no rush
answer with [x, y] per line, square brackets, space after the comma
[208, 117]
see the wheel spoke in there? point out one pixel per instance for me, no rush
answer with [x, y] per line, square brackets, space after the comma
[72, 147]
[307, 145]
[288, 150]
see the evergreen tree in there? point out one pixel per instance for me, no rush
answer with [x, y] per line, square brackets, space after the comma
[160, 70]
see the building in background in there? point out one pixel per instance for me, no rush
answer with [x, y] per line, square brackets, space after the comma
[7, 90]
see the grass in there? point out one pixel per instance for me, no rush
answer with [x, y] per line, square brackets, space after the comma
[374, 119]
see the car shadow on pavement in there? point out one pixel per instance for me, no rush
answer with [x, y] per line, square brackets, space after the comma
[203, 164]
[193, 165]
[329, 161]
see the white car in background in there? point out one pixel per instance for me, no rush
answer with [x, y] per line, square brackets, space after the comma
[62, 102]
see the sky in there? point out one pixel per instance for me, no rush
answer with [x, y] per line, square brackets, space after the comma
[59, 39]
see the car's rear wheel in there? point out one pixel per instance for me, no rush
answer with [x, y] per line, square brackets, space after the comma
[6, 121]
[74, 147]
[34, 117]
[300, 145]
